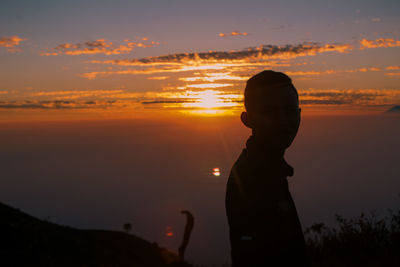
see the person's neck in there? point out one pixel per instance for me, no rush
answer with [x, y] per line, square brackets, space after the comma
[262, 147]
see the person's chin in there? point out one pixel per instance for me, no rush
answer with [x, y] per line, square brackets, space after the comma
[281, 146]
[284, 141]
[276, 140]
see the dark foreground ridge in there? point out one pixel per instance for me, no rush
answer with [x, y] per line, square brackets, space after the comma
[367, 240]
[28, 241]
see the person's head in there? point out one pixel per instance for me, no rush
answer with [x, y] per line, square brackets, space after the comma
[272, 108]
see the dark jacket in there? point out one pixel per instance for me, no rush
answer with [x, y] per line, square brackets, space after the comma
[264, 226]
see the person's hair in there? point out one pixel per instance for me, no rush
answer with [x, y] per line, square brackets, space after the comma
[261, 85]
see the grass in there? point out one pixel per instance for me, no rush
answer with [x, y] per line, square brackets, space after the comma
[367, 240]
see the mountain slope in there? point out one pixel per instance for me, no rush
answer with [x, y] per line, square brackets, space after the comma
[28, 241]
[393, 110]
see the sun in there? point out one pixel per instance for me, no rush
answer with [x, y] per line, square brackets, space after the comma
[211, 102]
[209, 99]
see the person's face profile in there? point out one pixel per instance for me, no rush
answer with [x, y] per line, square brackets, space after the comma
[277, 122]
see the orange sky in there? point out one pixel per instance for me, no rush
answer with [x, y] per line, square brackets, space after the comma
[58, 63]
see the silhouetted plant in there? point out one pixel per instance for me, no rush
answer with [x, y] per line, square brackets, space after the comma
[366, 240]
[127, 227]
[186, 236]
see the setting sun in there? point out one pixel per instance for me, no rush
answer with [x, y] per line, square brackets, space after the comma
[210, 101]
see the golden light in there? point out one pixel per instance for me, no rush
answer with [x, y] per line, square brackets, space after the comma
[208, 99]
[209, 112]
[209, 85]
[211, 99]
[202, 67]
[204, 99]
[212, 77]
[208, 102]
[216, 172]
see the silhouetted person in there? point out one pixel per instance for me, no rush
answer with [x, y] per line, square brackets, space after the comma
[188, 230]
[264, 226]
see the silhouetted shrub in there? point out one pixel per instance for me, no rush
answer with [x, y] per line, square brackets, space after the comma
[127, 227]
[366, 240]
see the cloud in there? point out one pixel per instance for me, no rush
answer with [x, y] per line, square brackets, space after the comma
[99, 46]
[393, 68]
[11, 42]
[196, 99]
[57, 104]
[175, 101]
[248, 55]
[94, 74]
[234, 99]
[307, 73]
[381, 42]
[158, 78]
[234, 33]
[70, 94]
[209, 85]
[365, 97]
[376, 19]
[63, 104]
[117, 99]
[374, 69]
[327, 72]
[262, 56]
[212, 77]
[393, 74]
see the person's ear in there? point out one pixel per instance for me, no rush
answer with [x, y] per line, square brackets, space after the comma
[245, 118]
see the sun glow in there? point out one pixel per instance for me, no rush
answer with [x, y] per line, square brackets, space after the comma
[207, 102]
[212, 77]
[209, 85]
[212, 102]
[213, 99]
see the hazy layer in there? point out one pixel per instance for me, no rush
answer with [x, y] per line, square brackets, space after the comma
[101, 174]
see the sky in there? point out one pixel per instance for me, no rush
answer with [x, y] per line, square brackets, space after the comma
[125, 58]
[120, 111]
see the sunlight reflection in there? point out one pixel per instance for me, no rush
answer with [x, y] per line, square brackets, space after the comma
[168, 231]
[216, 172]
